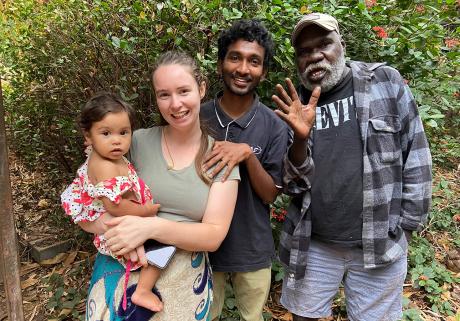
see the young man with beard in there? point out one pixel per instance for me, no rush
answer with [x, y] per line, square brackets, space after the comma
[250, 135]
[350, 221]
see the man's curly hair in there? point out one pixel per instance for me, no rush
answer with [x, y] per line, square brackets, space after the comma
[249, 30]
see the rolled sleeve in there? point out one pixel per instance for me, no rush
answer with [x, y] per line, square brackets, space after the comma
[297, 179]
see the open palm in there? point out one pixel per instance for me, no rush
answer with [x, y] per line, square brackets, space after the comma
[299, 117]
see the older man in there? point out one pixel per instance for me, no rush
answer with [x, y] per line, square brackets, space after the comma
[350, 221]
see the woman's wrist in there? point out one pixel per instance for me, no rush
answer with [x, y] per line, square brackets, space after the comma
[155, 227]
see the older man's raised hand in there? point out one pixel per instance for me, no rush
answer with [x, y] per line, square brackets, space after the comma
[299, 117]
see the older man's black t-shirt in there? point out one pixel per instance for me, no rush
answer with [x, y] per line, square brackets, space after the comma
[337, 189]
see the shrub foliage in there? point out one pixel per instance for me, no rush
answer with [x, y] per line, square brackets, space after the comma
[55, 54]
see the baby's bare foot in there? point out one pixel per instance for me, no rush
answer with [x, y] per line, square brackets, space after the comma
[145, 298]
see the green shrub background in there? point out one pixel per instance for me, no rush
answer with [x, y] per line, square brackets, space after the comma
[55, 54]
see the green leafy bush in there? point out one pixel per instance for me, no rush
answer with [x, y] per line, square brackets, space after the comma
[55, 54]
[425, 270]
[436, 280]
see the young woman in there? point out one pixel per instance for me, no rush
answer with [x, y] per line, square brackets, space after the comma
[195, 212]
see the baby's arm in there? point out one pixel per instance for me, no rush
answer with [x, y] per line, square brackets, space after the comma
[97, 226]
[105, 170]
[129, 207]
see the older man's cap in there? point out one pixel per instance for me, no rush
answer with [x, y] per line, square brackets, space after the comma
[322, 20]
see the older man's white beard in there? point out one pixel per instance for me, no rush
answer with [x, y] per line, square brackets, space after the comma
[333, 74]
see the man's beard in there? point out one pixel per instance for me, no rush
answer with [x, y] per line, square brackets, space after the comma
[333, 75]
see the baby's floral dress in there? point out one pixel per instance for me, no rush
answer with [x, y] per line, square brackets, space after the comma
[81, 200]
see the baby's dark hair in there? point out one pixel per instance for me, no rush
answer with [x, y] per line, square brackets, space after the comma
[249, 30]
[99, 105]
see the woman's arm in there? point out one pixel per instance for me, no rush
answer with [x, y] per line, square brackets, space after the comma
[209, 234]
[127, 232]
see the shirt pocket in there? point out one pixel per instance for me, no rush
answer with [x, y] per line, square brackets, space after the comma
[383, 141]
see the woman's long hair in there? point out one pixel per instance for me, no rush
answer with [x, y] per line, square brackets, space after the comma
[183, 59]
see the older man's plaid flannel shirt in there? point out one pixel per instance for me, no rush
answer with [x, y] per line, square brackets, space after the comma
[396, 176]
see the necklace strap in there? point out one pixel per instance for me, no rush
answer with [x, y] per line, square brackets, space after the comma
[170, 165]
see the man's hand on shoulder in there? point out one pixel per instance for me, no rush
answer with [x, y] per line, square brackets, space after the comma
[226, 154]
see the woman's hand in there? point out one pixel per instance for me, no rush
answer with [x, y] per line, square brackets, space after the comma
[127, 233]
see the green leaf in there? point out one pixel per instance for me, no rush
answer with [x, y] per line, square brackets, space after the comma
[116, 42]
[407, 30]
[68, 304]
[432, 123]
[123, 44]
[444, 184]
[132, 97]
[59, 292]
[51, 304]
[226, 13]
[279, 276]
[71, 291]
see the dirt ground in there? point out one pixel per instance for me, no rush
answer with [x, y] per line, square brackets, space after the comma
[65, 278]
